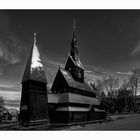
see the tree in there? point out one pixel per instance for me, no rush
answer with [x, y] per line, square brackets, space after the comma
[100, 89]
[104, 87]
[2, 104]
[133, 82]
[110, 84]
[2, 107]
[99, 86]
[125, 92]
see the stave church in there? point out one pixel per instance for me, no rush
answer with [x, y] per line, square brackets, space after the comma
[72, 98]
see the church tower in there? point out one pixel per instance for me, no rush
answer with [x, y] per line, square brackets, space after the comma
[34, 100]
[74, 65]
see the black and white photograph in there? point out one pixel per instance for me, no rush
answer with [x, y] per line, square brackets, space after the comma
[69, 69]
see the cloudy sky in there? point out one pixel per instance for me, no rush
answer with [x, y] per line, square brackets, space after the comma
[109, 43]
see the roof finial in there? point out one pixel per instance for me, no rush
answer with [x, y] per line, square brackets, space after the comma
[59, 66]
[34, 38]
[74, 26]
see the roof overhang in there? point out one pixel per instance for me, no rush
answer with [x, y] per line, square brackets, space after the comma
[77, 98]
[73, 109]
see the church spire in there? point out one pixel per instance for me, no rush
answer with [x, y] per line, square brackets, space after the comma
[74, 39]
[74, 45]
[74, 53]
[34, 69]
[74, 65]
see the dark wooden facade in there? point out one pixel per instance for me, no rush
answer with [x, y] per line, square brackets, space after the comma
[34, 100]
[80, 113]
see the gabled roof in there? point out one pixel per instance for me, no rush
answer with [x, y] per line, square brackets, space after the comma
[72, 83]
[34, 69]
[76, 62]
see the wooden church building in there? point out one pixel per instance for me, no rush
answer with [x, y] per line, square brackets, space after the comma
[72, 98]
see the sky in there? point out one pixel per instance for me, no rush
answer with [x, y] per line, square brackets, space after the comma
[108, 41]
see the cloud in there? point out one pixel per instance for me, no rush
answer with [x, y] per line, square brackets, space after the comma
[136, 51]
[124, 73]
[9, 90]
[12, 95]
[7, 85]
[92, 77]
[10, 50]
[1, 72]
[12, 103]
[92, 68]
[53, 64]
[88, 71]
[11, 47]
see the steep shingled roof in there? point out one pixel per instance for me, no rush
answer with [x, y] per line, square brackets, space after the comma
[34, 69]
[77, 63]
[72, 83]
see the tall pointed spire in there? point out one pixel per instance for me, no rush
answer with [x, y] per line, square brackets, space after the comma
[74, 44]
[34, 69]
[74, 53]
